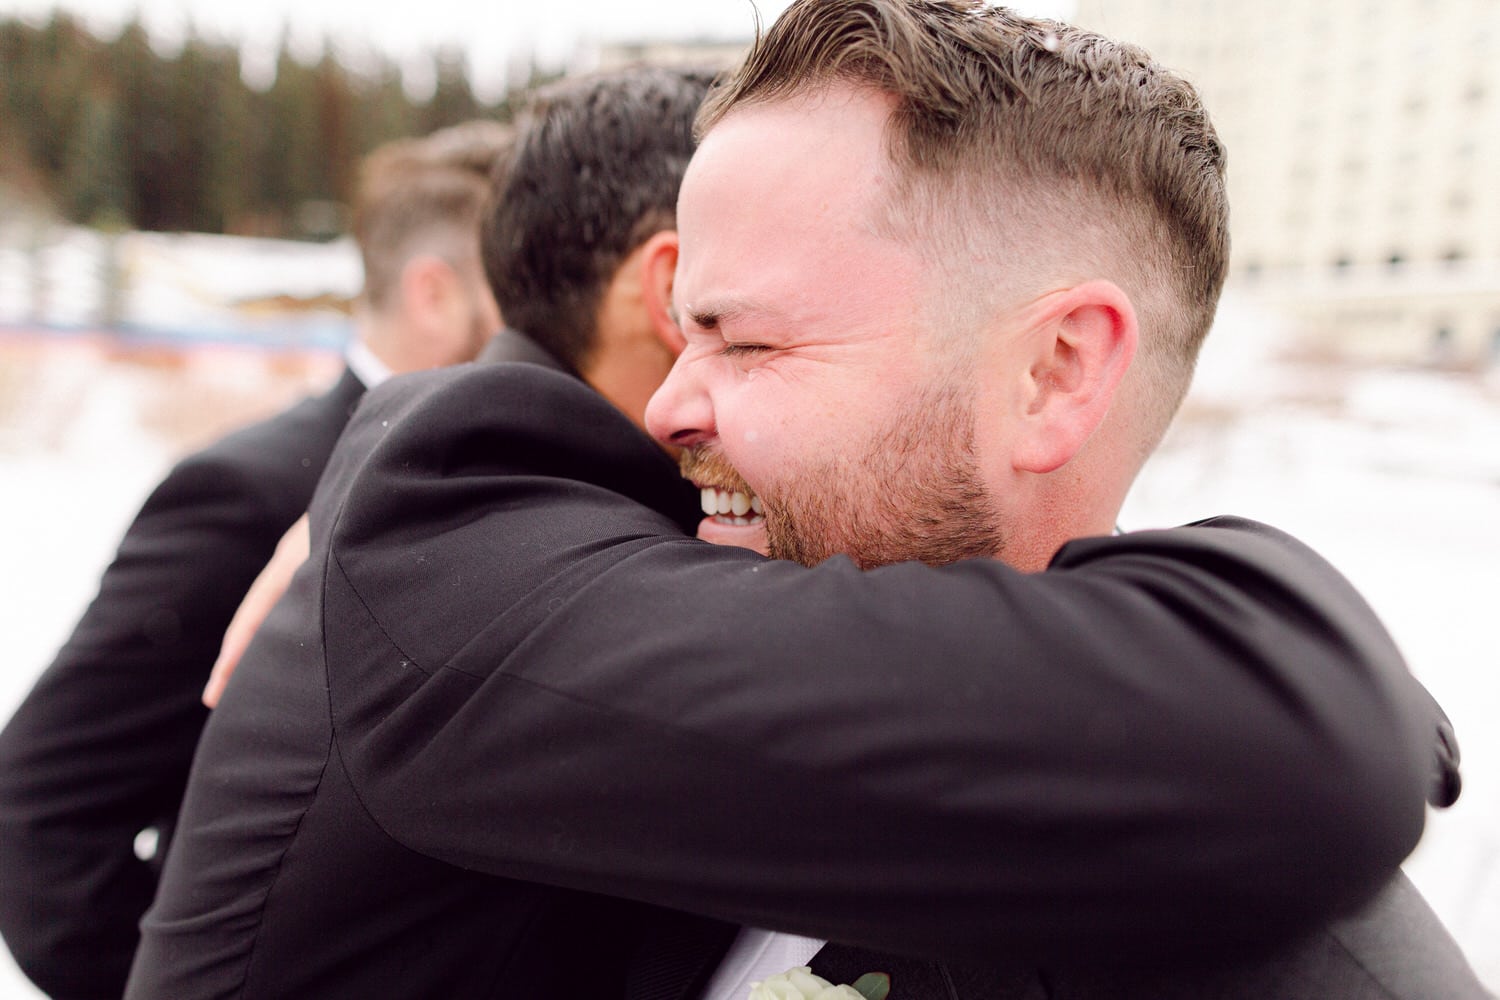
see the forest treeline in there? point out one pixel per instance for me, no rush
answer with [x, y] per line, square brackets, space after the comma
[113, 133]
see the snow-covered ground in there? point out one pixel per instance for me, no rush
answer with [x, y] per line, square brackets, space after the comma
[1393, 474]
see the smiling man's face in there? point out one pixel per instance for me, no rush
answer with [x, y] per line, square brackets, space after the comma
[811, 384]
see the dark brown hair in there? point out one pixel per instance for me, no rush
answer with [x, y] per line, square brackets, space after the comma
[595, 175]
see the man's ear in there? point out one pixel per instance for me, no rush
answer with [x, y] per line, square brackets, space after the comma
[1081, 343]
[658, 269]
[430, 287]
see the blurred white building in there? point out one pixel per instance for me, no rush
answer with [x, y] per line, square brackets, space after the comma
[1364, 160]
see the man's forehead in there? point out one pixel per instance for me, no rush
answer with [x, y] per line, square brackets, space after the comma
[832, 122]
[794, 164]
[780, 197]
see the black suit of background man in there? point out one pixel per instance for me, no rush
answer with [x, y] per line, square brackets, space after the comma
[100, 748]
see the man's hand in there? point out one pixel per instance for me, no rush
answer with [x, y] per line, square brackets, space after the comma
[291, 552]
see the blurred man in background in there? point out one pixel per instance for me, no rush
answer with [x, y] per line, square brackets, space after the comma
[93, 764]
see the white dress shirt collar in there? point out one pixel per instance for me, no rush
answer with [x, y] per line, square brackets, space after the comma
[365, 365]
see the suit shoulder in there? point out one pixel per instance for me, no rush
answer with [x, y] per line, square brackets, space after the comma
[309, 422]
[279, 452]
[472, 392]
[499, 418]
[493, 431]
[1222, 541]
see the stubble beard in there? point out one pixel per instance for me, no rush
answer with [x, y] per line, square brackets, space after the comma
[913, 494]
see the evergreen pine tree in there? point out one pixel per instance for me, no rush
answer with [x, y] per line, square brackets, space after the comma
[452, 98]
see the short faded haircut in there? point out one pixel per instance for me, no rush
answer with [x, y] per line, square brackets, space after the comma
[1003, 123]
[426, 195]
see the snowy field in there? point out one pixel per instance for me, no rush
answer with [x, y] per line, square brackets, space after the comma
[1393, 474]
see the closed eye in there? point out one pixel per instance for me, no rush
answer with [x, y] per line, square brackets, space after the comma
[744, 350]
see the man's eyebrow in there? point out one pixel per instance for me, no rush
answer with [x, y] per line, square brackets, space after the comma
[710, 313]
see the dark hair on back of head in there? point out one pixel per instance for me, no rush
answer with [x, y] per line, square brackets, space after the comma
[595, 174]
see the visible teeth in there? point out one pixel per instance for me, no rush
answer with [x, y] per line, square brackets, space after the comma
[731, 507]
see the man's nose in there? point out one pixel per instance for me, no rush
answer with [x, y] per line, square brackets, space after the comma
[680, 412]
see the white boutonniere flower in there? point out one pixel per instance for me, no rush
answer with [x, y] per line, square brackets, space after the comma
[802, 983]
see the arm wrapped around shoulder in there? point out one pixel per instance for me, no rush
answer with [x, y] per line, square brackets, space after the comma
[1196, 742]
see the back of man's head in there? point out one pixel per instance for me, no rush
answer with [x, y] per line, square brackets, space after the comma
[425, 196]
[595, 174]
[1025, 153]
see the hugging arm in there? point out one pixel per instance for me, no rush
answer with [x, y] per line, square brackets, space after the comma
[1192, 739]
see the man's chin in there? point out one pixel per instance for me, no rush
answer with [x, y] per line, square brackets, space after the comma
[723, 532]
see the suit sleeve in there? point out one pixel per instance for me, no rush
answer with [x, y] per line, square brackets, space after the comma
[1187, 743]
[100, 748]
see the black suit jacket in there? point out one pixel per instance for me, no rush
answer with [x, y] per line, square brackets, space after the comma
[100, 748]
[507, 678]
[1394, 948]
